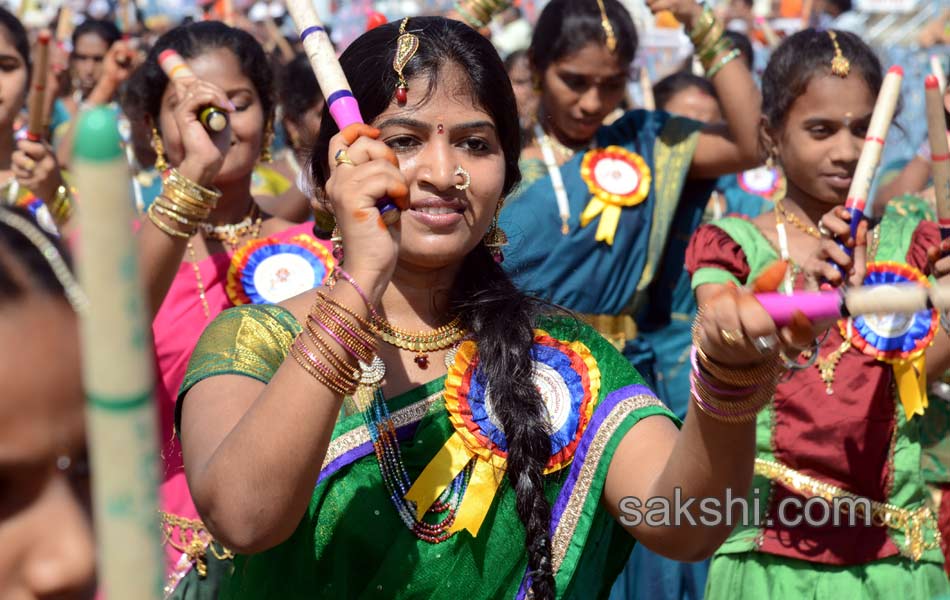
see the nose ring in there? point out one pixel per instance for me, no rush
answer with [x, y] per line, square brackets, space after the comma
[466, 178]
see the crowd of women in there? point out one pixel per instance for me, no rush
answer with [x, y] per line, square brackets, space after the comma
[462, 397]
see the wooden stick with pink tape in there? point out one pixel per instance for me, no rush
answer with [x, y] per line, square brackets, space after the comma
[939, 152]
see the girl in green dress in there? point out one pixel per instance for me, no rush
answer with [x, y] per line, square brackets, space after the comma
[488, 446]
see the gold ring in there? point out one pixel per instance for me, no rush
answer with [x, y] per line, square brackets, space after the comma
[30, 164]
[466, 178]
[342, 158]
[731, 336]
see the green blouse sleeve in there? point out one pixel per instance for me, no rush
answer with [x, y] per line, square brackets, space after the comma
[250, 340]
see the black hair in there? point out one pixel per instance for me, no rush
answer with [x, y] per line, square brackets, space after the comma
[514, 57]
[804, 55]
[841, 6]
[489, 305]
[673, 84]
[566, 26]
[148, 83]
[23, 268]
[298, 87]
[743, 45]
[106, 30]
[18, 37]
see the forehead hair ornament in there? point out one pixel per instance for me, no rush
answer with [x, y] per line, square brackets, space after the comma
[608, 28]
[840, 65]
[406, 46]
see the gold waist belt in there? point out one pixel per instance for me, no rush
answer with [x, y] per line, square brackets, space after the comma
[617, 329]
[190, 537]
[914, 524]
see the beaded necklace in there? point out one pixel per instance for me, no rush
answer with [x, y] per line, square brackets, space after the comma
[382, 432]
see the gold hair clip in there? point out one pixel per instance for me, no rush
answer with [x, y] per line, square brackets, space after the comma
[608, 28]
[840, 65]
[406, 47]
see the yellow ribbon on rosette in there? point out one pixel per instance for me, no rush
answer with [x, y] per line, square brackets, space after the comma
[617, 178]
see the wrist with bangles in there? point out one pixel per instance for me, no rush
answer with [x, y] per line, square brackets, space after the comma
[182, 206]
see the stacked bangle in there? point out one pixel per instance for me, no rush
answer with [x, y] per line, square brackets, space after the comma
[726, 401]
[341, 274]
[182, 206]
[710, 42]
[479, 13]
[331, 320]
[725, 60]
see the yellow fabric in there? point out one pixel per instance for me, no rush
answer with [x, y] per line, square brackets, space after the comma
[911, 378]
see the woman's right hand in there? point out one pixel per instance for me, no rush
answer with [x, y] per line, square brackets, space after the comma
[369, 245]
[203, 152]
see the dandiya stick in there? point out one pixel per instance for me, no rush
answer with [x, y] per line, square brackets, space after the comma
[117, 368]
[64, 27]
[936, 67]
[213, 118]
[873, 146]
[905, 298]
[37, 114]
[340, 101]
[939, 152]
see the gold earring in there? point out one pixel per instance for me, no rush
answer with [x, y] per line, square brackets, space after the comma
[266, 154]
[496, 238]
[161, 163]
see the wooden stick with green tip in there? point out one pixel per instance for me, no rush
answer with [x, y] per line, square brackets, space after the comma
[117, 368]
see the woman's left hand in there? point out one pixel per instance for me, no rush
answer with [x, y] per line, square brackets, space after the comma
[685, 11]
[824, 263]
[939, 256]
[36, 168]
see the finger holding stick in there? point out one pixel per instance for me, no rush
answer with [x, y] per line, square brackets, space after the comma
[342, 105]
[212, 118]
[939, 152]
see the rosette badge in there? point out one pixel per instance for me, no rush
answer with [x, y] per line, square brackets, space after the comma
[269, 271]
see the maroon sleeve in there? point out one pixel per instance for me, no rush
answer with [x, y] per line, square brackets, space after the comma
[711, 247]
[926, 236]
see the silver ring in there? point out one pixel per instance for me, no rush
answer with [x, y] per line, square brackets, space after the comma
[765, 344]
[824, 231]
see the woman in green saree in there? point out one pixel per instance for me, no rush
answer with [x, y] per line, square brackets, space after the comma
[492, 448]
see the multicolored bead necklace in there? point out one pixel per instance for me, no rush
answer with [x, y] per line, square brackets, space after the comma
[382, 432]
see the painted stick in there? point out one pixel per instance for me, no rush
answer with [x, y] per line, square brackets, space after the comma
[342, 105]
[64, 27]
[34, 128]
[873, 146]
[936, 67]
[117, 368]
[905, 298]
[213, 118]
[939, 152]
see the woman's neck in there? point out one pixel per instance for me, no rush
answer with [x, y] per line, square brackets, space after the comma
[804, 206]
[547, 124]
[418, 299]
[235, 202]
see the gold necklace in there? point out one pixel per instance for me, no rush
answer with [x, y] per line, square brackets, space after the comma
[199, 280]
[231, 233]
[794, 220]
[420, 343]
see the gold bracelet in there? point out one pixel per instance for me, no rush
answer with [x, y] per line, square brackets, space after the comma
[364, 323]
[702, 26]
[202, 194]
[363, 349]
[713, 37]
[343, 384]
[186, 203]
[335, 360]
[315, 373]
[165, 228]
[61, 207]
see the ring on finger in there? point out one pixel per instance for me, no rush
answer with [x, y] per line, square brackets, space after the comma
[342, 158]
[30, 164]
[731, 336]
[824, 231]
[765, 343]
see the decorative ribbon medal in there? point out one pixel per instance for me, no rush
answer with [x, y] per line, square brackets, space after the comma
[617, 178]
[268, 271]
[899, 339]
[764, 181]
[568, 378]
[40, 212]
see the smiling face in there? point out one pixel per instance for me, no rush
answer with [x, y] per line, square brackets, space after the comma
[221, 67]
[821, 140]
[433, 136]
[580, 90]
[46, 541]
[13, 80]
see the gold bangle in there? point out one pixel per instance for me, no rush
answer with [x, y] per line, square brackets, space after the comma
[702, 26]
[165, 228]
[186, 202]
[335, 360]
[61, 207]
[192, 216]
[336, 388]
[360, 347]
[206, 195]
[343, 384]
[364, 323]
